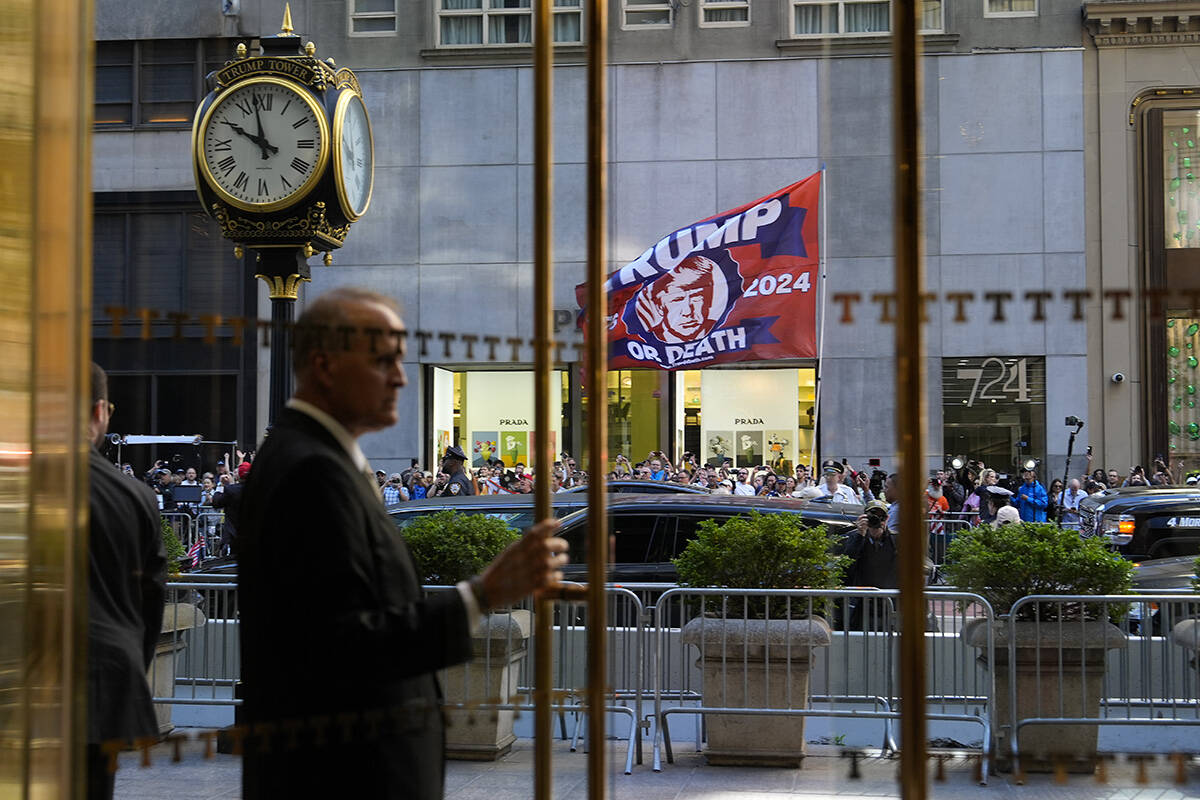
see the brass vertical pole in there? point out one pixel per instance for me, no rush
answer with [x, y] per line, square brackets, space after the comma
[45, 311]
[910, 422]
[597, 385]
[543, 456]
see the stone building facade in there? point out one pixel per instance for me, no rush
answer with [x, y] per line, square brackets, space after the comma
[713, 104]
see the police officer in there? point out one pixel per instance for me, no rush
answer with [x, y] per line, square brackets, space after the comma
[458, 484]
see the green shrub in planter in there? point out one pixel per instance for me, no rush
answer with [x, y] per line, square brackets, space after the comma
[1007, 563]
[762, 551]
[176, 552]
[448, 547]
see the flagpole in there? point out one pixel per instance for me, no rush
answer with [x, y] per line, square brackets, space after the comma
[823, 205]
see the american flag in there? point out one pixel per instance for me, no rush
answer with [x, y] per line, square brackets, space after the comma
[194, 551]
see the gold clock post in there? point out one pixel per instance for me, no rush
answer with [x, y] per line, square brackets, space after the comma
[283, 270]
[279, 168]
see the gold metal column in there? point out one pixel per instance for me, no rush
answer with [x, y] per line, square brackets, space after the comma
[596, 368]
[45, 258]
[543, 287]
[910, 393]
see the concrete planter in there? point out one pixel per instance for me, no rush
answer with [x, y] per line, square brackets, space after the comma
[178, 619]
[1083, 649]
[755, 664]
[1186, 634]
[490, 676]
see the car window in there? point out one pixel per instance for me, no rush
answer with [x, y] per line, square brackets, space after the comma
[686, 528]
[519, 518]
[636, 538]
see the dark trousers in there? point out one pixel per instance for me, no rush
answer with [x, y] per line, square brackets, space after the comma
[99, 779]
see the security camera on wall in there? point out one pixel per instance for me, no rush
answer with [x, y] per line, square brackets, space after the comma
[1118, 377]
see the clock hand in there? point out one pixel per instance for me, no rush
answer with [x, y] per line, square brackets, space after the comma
[262, 142]
[258, 140]
[240, 130]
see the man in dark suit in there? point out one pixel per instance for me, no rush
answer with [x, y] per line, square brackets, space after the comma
[127, 573]
[229, 500]
[339, 644]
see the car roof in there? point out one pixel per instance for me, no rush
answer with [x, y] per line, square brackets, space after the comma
[655, 487]
[428, 504]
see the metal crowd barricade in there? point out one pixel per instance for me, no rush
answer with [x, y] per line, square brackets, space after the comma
[502, 659]
[854, 677]
[184, 526]
[1096, 660]
[209, 523]
[198, 660]
[942, 531]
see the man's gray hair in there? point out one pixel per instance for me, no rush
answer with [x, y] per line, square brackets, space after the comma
[317, 328]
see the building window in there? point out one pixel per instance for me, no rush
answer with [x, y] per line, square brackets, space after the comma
[642, 14]
[1010, 8]
[154, 83]
[747, 416]
[724, 13]
[994, 410]
[496, 23]
[162, 260]
[372, 17]
[1172, 225]
[814, 18]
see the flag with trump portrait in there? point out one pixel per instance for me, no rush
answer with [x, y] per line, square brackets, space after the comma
[738, 286]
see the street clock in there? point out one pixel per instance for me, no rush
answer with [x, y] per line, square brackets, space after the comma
[263, 145]
[282, 148]
[284, 162]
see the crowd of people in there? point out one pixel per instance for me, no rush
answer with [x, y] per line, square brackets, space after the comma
[496, 477]
[218, 489]
[948, 492]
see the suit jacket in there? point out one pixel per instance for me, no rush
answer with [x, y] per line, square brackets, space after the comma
[339, 645]
[230, 501]
[127, 573]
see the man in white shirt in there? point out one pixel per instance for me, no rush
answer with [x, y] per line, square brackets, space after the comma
[743, 486]
[833, 486]
[1068, 501]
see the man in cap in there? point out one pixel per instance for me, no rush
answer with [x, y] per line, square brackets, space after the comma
[393, 490]
[872, 550]
[1003, 513]
[833, 486]
[457, 483]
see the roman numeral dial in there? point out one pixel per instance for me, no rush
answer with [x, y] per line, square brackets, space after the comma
[263, 144]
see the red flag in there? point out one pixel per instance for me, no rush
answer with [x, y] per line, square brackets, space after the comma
[735, 287]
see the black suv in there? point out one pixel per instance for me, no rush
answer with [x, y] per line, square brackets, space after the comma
[649, 530]
[515, 509]
[1143, 522]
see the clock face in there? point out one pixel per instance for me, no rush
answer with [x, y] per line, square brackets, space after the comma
[354, 157]
[263, 144]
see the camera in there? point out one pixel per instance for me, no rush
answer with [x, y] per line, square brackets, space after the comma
[1073, 421]
[876, 517]
[1118, 377]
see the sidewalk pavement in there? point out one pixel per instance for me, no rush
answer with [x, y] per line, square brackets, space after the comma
[825, 774]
